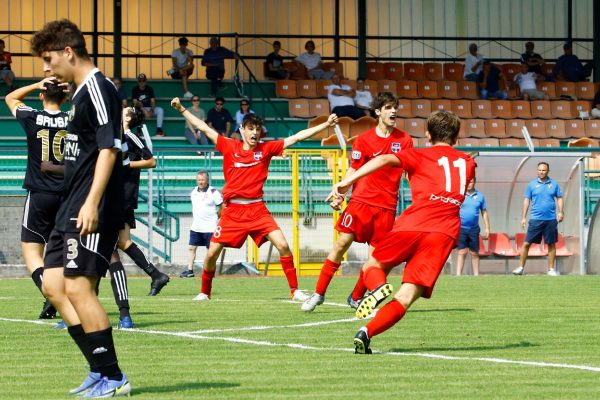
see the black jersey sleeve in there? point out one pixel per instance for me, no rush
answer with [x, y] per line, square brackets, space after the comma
[107, 108]
[136, 147]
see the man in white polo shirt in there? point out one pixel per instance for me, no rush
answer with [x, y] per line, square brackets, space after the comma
[206, 208]
[527, 84]
[341, 99]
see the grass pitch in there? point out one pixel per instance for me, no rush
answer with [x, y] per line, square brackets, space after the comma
[496, 337]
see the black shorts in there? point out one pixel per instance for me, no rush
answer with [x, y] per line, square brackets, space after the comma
[469, 238]
[130, 218]
[80, 256]
[200, 238]
[538, 228]
[39, 214]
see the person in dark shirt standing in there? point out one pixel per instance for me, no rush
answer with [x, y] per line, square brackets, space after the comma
[87, 224]
[143, 95]
[214, 61]
[219, 118]
[45, 131]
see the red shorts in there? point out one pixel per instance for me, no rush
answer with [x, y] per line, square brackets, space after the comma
[240, 220]
[425, 254]
[368, 224]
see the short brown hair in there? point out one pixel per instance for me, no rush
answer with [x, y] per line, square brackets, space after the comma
[443, 126]
[56, 35]
[383, 98]
[252, 119]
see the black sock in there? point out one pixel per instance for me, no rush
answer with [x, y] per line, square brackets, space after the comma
[78, 335]
[102, 351]
[118, 281]
[37, 277]
[141, 261]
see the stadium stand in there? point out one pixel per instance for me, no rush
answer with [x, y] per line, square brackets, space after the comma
[370, 85]
[592, 129]
[421, 108]
[510, 70]
[362, 124]
[585, 90]
[448, 90]
[521, 109]
[394, 71]
[322, 85]
[307, 88]
[512, 142]
[473, 128]
[579, 108]
[541, 109]
[404, 109]
[547, 87]
[336, 67]
[318, 107]
[562, 109]
[375, 71]
[482, 109]
[414, 71]
[536, 128]
[501, 109]
[286, 88]
[349, 82]
[555, 128]
[433, 71]
[415, 127]
[453, 71]
[299, 108]
[565, 89]
[495, 128]
[462, 108]
[468, 90]
[549, 142]
[408, 89]
[428, 89]
[441, 104]
[387, 85]
[575, 128]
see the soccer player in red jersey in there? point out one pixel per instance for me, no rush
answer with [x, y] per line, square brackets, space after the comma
[424, 234]
[245, 166]
[371, 211]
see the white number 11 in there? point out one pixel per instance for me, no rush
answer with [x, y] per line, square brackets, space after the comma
[462, 172]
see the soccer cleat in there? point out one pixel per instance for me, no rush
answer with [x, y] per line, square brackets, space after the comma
[188, 95]
[159, 132]
[125, 322]
[552, 272]
[88, 384]
[201, 297]
[299, 295]
[369, 303]
[313, 301]
[518, 271]
[157, 284]
[188, 273]
[109, 388]
[48, 311]
[60, 325]
[361, 343]
[170, 71]
[351, 302]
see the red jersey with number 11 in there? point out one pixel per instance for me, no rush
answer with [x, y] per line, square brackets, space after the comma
[438, 178]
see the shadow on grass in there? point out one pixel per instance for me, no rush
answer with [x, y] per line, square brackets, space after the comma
[521, 344]
[181, 387]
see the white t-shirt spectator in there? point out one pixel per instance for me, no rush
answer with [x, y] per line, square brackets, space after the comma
[204, 209]
[337, 101]
[181, 59]
[310, 61]
[470, 62]
[363, 98]
[526, 81]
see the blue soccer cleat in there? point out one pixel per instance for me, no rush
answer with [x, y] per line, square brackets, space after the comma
[88, 384]
[125, 322]
[109, 388]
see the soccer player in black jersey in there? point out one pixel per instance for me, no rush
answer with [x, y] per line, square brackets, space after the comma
[45, 130]
[87, 225]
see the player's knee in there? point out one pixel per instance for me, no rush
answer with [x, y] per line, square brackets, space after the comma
[462, 252]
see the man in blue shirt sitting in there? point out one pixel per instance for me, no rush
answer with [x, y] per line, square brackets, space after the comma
[468, 241]
[545, 198]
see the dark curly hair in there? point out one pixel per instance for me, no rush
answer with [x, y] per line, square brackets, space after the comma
[54, 93]
[137, 116]
[57, 35]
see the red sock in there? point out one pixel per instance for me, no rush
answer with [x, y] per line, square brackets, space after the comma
[374, 277]
[287, 263]
[359, 289]
[327, 271]
[385, 318]
[207, 278]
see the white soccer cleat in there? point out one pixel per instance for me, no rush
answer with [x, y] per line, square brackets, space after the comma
[552, 272]
[299, 296]
[201, 297]
[313, 301]
[518, 271]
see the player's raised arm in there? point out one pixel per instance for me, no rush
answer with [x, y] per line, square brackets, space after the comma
[340, 189]
[16, 97]
[196, 122]
[306, 133]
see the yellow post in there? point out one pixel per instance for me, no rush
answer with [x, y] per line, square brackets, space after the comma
[296, 210]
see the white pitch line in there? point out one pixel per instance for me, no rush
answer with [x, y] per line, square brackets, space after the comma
[266, 327]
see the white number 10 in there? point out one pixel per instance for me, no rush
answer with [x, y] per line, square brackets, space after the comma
[462, 172]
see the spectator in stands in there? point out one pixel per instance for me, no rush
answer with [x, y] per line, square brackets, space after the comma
[363, 97]
[214, 61]
[596, 105]
[206, 209]
[569, 68]
[311, 60]
[241, 113]
[468, 241]
[275, 68]
[183, 65]
[6, 73]
[491, 82]
[533, 60]
[143, 95]
[219, 118]
[526, 80]
[341, 99]
[473, 64]
[545, 198]
[193, 135]
[120, 91]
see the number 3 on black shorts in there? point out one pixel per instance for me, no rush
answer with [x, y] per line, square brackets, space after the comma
[72, 249]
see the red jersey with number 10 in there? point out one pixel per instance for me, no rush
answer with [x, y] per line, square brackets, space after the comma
[438, 178]
[379, 189]
[246, 170]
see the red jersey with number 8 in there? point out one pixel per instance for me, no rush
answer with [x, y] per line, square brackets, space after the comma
[438, 178]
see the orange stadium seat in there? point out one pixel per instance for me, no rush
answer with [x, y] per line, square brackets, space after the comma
[468, 90]
[394, 70]
[428, 89]
[408, 89]
[583, 142]
[336, 67]
[499, 245]
[371, 86]
[514, 92]
[361, 125]
[482, 109]
[453, 71]
[512, 142]
[404, 109]
[489, 142]
[501, 109]
[299, 108]
[592, 128]
[400, 123]
[423, 142]
[318, 107]
[510, 70]
[349, 82]
[536, 128]
[541, 109]
[514, 127]
[375, 71]
[562, 109]
[433, 71]
[415, 127]
[441, 104]
[521, 109]
[324, 133]
[565, 89]
[414, 71]
[580, 106]
[462, 108]
[286, 88]
[549, 142]
[468, 142]
[547, 87]
[387, 85]
[307, 88]
[575, 128]
[421, 108]
[322, 85]
[474, 128]
[585, 90]
[448, 89]
[495, 128]
[548, 69]
[555, 128]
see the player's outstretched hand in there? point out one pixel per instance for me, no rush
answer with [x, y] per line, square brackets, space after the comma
[335, 202]
[332, 120]
[176, 104]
